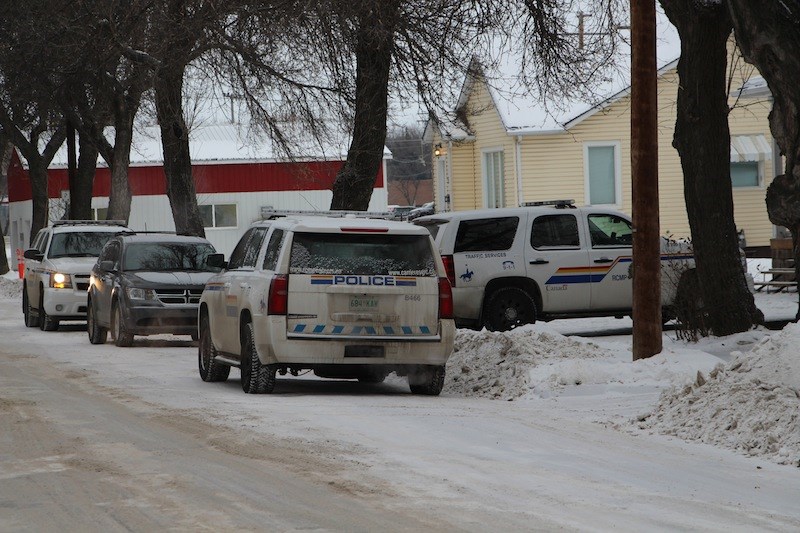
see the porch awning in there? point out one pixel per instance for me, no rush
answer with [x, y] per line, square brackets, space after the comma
[746, 148]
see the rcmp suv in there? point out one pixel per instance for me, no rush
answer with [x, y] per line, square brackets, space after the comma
[147, 283]
[513, 266]
[57, 270]
[349, 298]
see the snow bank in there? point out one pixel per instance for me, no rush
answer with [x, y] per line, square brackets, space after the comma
[10, 288]
[499, 365]
[751, 405]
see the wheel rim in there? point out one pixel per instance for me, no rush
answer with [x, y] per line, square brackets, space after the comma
[513, 310]
[511, 315]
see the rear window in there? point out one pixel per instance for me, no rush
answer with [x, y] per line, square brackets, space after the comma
[79, 243]
[168, 257]
[385, 254]
[486, 234]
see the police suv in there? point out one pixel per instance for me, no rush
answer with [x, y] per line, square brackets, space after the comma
[345, 297]
[57, 270]
[513, 266]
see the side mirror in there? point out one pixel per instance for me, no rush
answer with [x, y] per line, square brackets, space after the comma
[216, 261]
[33, 253]
[107, 266]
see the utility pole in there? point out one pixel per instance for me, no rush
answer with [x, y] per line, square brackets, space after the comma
[644, 166]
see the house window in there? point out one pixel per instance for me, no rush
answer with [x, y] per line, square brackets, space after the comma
[218, 215]
[99, 213]
[494, 179]
[746, 174]
[602, 174]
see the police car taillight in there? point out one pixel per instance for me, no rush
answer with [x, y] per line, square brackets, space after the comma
[278, 295]
[445, 299]
[450, 269]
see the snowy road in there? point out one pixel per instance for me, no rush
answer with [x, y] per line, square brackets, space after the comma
[99, 438]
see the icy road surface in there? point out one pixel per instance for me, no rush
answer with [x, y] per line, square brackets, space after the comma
[99, 438]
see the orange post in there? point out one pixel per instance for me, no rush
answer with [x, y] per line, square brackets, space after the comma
[20, 264]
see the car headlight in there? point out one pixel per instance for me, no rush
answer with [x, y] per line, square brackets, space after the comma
[60, 281]
[135, 293]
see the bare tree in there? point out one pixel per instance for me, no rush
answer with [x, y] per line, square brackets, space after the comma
[702, 138]
[28, 114]
[410, 165]
[5, 159]
[767, 33]
[108, 89]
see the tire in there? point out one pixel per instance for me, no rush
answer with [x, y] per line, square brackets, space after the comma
[210, 370]
[256, 378]
[507, 308]
[426, 380]
[97, 334]
[31, 318]
[46, 322]
[122, 337]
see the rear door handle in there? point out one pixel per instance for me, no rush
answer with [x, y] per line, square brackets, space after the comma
[604, 260]
[538, 262]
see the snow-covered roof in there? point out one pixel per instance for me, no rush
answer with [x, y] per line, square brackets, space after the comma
[755, 87]
[217, 142]
[524, 111]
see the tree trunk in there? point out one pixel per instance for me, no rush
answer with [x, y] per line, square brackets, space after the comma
[175, 141]
[80, 188]
[702, 138]
[768, 36]
[3, 258]
[355, 182]
[5, 158]
[119, 201]
[37, 172]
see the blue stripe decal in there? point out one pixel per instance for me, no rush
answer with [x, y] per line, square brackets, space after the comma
[214, 287]
[358, 330]
[579, 278]
[322, 282]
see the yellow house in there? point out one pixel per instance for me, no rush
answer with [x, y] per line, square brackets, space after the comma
[505, 151]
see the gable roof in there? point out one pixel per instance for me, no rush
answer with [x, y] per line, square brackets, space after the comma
[524, 112]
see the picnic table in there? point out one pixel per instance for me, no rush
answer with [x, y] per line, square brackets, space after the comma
[782, 278]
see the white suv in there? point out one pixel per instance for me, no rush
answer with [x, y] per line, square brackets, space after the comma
[513, 266]
[346, 297]
[57, 270]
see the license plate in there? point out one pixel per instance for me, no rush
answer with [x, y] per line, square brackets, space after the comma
[363, 303]
[364, 351]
